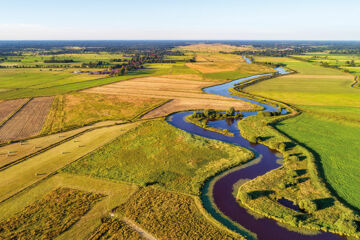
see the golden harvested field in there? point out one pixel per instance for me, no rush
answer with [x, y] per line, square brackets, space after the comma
[185, 104]
[39, 167]
[188, 94]
[202, 47]
[15, 151]
[28, 121]
[78, 109]
[218, 66]
[9, 107]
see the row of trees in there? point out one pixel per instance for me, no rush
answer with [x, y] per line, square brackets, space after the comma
[213, 114]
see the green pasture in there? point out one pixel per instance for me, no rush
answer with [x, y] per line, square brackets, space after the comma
[313, 85]
[34, 82]
[155, 153]
[336, 144]
[330, 123]
[34, 59]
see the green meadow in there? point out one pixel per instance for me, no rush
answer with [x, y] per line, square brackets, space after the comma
[335, 143]
[156, 153]
[329, 125]
[20, 83]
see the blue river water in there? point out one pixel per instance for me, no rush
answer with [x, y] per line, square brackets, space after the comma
[222, 185]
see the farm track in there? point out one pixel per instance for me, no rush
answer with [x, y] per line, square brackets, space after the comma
[27, 121]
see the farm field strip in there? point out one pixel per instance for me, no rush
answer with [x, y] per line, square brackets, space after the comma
[116, 193]
[41, 166]
[168, 89]
[8, 108]
[16, 152]
[185, 96]
[28, 121]
[184, 104]
[49, 216]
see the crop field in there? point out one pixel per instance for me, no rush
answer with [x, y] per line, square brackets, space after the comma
[13, 152]
[7, 108]
[115, 229]
[79, 109]
[214, 48]
[33, 60]
[187, 94]
[161, 212]
[342, 61]
[224, 67]
[178, 161]
[92, 156]
[186, 104]
[20, 83]
[28, 121]
[113, 194]
[57, 211]
[41, 166]
[34, 78]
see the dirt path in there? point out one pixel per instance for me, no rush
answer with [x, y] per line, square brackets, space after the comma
[145, 234]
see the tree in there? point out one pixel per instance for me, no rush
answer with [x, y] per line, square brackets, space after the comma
[230, 112]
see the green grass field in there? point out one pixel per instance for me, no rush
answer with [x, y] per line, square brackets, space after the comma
[156, 153]
[330, 124]
[313, 85]
[20, 83]
[336, 144]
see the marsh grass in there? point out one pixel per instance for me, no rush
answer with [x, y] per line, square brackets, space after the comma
[156, 153]
[79, 109]
[171, 215]
[49, 217]
[114, 229]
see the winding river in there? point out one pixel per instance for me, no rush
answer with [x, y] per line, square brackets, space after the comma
[221, 186]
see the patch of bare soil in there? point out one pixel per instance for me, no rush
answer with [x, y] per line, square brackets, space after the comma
[28, 121]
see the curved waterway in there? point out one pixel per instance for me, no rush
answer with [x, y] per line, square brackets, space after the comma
[222, 185]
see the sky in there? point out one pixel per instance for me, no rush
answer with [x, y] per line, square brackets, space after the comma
[179, 20]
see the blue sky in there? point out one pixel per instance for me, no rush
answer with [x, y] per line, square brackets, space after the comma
[180, 19]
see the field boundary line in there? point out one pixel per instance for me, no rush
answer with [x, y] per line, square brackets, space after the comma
[6, 166]
[59, 168]
[11, 115]
[146, 111]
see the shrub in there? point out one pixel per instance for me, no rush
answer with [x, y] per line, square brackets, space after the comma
[292, 158]
[308, 205]
[282, 147]
[209, 113]
[253, 139]
[230, 112]
[239, 115]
